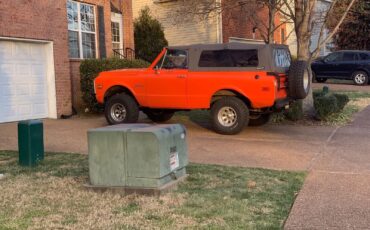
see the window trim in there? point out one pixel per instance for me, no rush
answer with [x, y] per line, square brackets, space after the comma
[79, 30]
[118, 18]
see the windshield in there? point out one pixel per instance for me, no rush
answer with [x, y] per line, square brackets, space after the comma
[282, 58]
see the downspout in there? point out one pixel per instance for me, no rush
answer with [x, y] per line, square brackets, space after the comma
[219, 23]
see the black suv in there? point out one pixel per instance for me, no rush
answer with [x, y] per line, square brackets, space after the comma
[350, 65]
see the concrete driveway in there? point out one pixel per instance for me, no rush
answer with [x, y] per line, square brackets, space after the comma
[273, 146]
[336, 194]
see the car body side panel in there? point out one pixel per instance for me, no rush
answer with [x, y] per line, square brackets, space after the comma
[133, 80]
[257, 87]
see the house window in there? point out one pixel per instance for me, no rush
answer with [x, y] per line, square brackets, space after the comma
[282, 36]
[116, 40]
[81, 30]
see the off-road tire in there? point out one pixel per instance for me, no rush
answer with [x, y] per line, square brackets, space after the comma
[260, 120]
[157, 115]
[238, 107]
[128, 103]
[299, 80]
[363, 82]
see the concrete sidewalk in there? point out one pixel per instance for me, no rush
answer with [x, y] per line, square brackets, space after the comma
[336, 194]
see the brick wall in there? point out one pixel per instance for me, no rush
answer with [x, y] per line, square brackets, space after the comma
[43, 20]
[237, 22]
[47, 20]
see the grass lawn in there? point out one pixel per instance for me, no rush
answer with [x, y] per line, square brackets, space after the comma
[52, 196]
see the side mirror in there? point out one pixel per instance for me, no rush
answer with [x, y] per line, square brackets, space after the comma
[156, 70]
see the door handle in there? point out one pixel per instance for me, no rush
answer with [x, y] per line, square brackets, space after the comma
[181, 76]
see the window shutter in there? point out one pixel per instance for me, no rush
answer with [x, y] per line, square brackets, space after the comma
[102, 47]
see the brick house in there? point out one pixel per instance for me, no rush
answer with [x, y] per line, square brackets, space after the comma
[42, 43]
[232, 24]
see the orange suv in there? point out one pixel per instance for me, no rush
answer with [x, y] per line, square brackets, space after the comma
[240, 83]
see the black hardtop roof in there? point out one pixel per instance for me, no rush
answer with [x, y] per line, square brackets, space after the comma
[230, 45]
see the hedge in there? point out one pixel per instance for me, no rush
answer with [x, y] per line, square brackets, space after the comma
[90, 69]
[327, 103]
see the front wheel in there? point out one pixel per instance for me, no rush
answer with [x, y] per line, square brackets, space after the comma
[157, 115]
[121, 108]
[229, 115]
[360, 78]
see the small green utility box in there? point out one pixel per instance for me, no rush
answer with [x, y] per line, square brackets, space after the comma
[30, 142]
[137, 155]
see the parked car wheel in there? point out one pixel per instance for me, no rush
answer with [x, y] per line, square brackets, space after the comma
[159, 115]
[121, 108]
[360, 78]
[299, 80]
[318, 79]
[229, 115]
[259, 120]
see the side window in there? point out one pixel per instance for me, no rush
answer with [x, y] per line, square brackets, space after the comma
[334, 57]
[215, 58]
[349, 56]
[175, 59]
[228, 58]
[364, 56]
[244, 58]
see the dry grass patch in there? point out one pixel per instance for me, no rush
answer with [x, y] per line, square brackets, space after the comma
[52, 196]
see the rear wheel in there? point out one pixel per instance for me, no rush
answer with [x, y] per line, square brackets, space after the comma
[299, 80]
[121, 108]
[229, 115]
[259, 120]
[360, 78]
[158, 115]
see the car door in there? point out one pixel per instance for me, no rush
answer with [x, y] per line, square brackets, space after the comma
[167, 83]
[330, 65]
[347, 65]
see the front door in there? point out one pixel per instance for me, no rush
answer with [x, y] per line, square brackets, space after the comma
[330, 67]
[167, 84]
[117, 34]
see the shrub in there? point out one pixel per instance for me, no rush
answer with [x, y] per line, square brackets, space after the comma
[342, 100]
[295, 111]
[325, 105]
[149, 36]
[90, 69]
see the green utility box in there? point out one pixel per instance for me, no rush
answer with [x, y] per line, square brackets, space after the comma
[137, 155]
[30, 142]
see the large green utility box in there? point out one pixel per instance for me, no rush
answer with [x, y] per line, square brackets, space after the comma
[30, 142]
[137, 155]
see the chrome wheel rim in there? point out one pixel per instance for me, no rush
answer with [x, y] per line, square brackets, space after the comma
[118, 112]
[227, 116]
[360, 78]
[306, 80]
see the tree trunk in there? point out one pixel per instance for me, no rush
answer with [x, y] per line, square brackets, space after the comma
[304, 54]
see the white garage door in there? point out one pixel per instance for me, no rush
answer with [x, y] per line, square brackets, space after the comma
[24, 88]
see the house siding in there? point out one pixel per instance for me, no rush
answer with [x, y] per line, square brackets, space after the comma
[47, 20]
[182, 32]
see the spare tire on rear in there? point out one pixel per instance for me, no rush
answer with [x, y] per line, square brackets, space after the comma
[299, 80]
